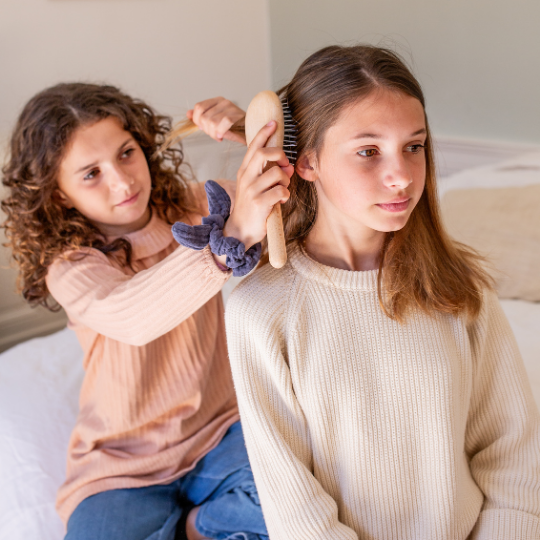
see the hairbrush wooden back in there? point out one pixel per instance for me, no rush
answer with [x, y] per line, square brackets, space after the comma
[264, 107]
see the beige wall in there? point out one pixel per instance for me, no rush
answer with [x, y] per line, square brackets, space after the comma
[477, 60]
[171, 53]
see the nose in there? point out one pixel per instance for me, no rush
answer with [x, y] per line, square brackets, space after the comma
[397, 173]
[118, 179]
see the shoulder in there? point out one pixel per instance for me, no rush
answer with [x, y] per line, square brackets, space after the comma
[261, 300]
[262, 287]
[490, 311]
[490, 333]
[76, 259]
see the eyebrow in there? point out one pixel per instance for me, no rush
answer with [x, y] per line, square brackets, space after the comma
[91, 165]
[376, 136]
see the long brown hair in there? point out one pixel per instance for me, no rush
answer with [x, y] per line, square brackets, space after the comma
[38, 227]
[420, 265]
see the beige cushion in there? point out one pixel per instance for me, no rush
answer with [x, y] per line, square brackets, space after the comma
[504, 225]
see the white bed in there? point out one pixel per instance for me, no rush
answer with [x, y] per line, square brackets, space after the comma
[40, 379]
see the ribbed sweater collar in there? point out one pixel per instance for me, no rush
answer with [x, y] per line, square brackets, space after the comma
[329, 276]
[154, 237]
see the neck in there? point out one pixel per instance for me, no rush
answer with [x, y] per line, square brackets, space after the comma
[122, 229]
[345, 247]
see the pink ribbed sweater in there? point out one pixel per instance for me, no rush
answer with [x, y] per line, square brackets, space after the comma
[157, 393]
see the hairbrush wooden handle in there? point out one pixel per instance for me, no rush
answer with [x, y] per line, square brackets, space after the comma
[264, 107]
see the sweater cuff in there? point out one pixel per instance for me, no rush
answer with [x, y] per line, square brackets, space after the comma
[214, 266]
[505, 524]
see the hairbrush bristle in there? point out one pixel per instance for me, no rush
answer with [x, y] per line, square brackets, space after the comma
[290, 131]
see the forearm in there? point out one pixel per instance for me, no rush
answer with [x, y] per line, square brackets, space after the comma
[136, 309]
[505, 524]
[503, 435]
[294, 502]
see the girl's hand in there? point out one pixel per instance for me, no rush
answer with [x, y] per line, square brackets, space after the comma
[215, 117]
[257, 191]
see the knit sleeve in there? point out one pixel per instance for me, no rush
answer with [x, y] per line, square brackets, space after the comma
[277, 436]
[503, 433]
[135, 309]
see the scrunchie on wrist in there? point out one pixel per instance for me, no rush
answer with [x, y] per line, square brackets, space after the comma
[211, 233]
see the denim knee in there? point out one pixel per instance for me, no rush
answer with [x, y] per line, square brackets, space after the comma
[235, 514]
[149, 513]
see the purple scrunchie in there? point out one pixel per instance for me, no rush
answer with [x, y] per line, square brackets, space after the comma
[211, 232]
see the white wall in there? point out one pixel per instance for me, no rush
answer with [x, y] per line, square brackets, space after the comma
[477, 60]
[171, 53]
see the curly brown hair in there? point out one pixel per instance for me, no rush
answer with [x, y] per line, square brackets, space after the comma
[38, 228]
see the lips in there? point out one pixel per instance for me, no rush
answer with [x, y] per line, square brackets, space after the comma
[397, 206]
[129, 201]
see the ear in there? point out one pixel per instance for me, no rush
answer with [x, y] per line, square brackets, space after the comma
[305, 167]
[61, 198]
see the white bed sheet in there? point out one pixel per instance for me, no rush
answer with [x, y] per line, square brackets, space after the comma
[39, 387]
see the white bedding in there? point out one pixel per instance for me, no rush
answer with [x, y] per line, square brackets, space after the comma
[40, 381]
[520, 171]
[39, 387]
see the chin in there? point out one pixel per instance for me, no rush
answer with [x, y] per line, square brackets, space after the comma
[392, 227]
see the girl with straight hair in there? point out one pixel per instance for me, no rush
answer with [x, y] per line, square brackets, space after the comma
[381, 390]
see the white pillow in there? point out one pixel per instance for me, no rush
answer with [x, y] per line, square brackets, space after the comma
[523, 170]
[39, 391]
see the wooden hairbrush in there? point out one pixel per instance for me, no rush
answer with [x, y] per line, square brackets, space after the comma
[265, 107]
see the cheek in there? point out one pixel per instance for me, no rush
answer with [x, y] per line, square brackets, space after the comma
[347, 184]
[355, 197]
[420, 178]
[93, 200]
[357, 191]
[419, 167]
[142, 167]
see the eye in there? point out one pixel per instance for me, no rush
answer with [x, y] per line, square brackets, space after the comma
[127, 152]
[368, 152]
[415, 148]
[92, 174]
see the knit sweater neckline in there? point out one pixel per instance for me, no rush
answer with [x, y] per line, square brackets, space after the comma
[330, 276]
[154, 237]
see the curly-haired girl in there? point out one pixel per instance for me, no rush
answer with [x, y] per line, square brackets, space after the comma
[157, 450]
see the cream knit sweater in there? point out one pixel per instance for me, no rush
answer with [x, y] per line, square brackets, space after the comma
[359, 427]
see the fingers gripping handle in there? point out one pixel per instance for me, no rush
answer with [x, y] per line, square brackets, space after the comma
[264, 107]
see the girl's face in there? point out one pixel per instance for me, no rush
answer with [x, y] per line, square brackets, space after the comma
[105, 176]
[371, 170]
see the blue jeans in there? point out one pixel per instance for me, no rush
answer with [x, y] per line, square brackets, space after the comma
[221, 484]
